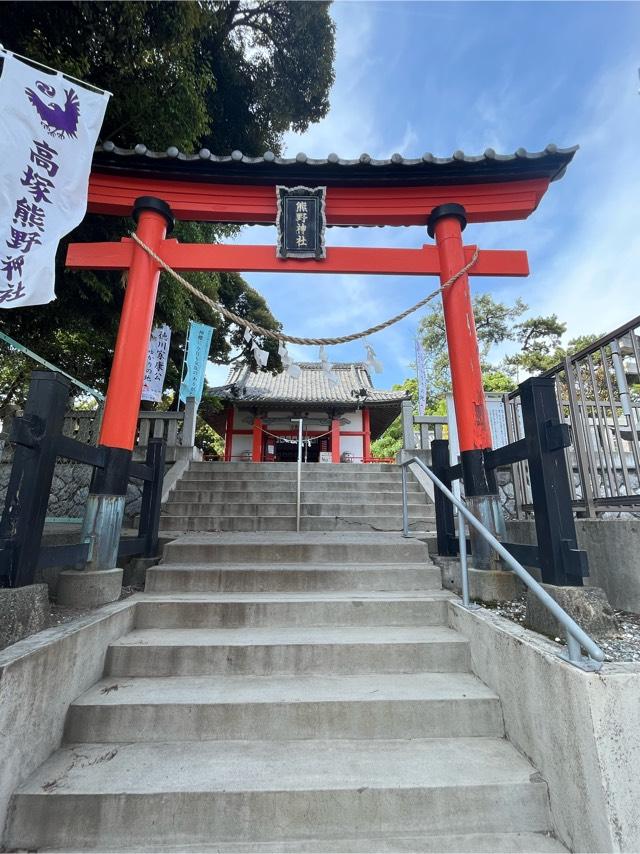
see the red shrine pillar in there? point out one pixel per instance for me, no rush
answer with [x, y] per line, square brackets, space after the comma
[256, 452]
[120, 419]
[335, 440]
[228, 436]
[446, 224]
[105, 504]
[366, 439]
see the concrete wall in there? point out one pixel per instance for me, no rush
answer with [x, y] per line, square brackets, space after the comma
[581, 730]
[613, 546]
[39, 678]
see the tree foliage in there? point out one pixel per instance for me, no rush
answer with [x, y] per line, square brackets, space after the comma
[275, 60]
[190, 74]
[538, 339]
[390, 442]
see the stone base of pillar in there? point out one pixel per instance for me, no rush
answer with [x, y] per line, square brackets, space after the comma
[485, 585]
[89, 588]
[588, 606]
[493, 585]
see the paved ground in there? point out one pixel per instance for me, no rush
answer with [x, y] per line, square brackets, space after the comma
[624, 646]
[58, 614]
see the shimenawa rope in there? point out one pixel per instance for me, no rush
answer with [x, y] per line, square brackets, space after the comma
[292, 339]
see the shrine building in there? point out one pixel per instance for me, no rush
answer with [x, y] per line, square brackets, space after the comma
[340, 418]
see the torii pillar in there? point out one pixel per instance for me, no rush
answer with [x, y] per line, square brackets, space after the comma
[446, 223]
[105, 504]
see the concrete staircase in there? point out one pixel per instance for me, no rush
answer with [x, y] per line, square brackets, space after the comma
[251, 497]
[287, 693]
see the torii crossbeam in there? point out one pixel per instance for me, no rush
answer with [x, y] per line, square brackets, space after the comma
[220, 258]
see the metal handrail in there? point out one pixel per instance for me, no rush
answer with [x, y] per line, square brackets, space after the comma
[299, 473]
[576, 637]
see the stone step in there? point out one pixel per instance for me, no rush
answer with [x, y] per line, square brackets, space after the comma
[321, 476]
[411, 843]
[290, 609]
[273, 475]
[275, 486]
[176, 794]
[306, 467]
[288, 496]
[281, 577]
[287, 651]
[275, 507]
[299, 548]
[227, 523]
[419, 705]
[416, 843]
[381, 522]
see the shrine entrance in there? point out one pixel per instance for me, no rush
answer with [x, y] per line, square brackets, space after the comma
[444, 195]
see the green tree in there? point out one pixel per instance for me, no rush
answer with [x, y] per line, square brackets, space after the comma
[495, 323]
[497, 381]
[190, 74]
[390, 442]
[539, 340]
[273, 65]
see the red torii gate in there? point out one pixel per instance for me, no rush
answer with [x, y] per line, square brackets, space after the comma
[443, 194]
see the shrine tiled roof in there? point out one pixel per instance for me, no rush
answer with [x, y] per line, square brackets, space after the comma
[550, 163]
[312, 386]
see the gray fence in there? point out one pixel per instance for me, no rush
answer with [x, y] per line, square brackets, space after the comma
[418, 431]
[598, 393]
[177, 428]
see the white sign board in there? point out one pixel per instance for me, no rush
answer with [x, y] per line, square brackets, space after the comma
[497, 422]
[157, 357]
[48, 130]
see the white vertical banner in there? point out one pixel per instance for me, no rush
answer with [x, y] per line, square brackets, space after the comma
[48, 130]
[157, 357]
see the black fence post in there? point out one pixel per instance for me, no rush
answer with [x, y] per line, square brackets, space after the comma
[445, 525]
[152, 498]
[546, 436]
[35, 435]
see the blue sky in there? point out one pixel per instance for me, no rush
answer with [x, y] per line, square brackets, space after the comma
[418, 76]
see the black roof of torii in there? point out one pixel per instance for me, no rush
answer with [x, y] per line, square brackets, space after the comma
[397, 170]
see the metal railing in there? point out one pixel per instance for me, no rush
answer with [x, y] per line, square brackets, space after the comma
[575, 636]
[598, 394]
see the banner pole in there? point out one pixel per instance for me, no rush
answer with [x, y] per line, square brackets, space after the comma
[184, 362]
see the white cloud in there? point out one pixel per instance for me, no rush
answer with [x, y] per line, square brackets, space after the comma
[592, 280]
[352, 118]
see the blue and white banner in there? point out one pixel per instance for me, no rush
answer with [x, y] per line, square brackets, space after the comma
[48, 130]
[422, 377]
[198, 343]
[157, 357]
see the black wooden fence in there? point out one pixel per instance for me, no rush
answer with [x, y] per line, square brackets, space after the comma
[545, 438]
[39, 442]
